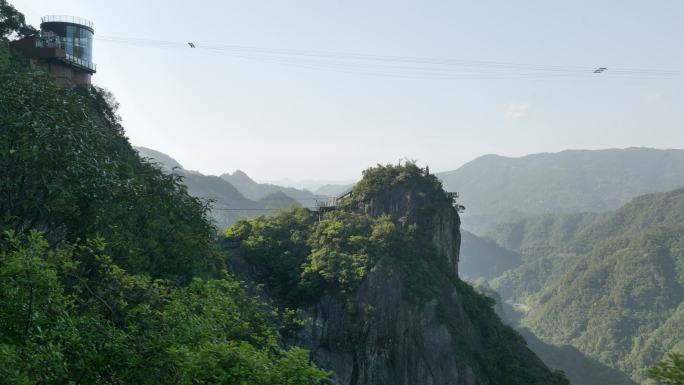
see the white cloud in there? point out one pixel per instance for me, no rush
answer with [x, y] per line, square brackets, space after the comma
[517, 111]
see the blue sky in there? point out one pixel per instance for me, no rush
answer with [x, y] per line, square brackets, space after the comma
[217, 113]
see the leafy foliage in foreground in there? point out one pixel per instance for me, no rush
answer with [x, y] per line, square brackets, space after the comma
[69, 171]
[13, 22]
[63, 322]
[108, 269]
[671, 371]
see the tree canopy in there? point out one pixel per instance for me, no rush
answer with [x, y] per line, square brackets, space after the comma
[670, 371]
[109, 273]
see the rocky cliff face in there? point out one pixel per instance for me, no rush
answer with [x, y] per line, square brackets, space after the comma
[388, 340]
[410, 320]
[438, 220]
[383, 335]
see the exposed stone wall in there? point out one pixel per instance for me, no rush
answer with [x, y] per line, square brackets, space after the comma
[65, 75]
[387, 340]
[442, 223]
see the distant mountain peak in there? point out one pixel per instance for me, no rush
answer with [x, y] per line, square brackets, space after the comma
[154, 156]
[240, 173]
[497, 188]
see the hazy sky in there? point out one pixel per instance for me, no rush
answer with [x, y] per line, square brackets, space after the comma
[314, 117]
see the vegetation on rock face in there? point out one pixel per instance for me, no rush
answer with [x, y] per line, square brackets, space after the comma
[278, 247]
[301, 258]
[69, 171]
[108, 269]
[380, 186]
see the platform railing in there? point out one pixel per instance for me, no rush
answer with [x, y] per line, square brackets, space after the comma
[80, 62]
[68, 19]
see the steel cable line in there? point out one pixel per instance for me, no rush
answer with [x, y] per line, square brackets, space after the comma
[349, 56]
[424, 73]
[420, 67]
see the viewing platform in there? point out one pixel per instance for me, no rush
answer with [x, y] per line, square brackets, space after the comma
[64, 48]
[332, 202]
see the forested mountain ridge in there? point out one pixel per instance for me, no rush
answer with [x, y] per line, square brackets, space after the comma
[611, 285]
[498, 189]
[227, 203]
[482, 258]
[109, 273]
[249, 188]
[541, 243]
[622, 301]
[578, 367]
[257, 191]
[537, 235]
[378, 276]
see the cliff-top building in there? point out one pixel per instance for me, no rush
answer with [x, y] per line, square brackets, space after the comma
[64, 48]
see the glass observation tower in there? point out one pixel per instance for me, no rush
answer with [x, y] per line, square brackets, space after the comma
[72, 34]
[64, 48]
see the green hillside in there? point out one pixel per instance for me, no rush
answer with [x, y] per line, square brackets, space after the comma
[483, 258]
[498, 189]
[579, 368]
[378, 276]
[542, 243]
[616, 297]
[537, 236]
[108, 269]
[613, 287]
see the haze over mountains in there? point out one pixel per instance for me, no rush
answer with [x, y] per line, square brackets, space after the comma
[564, 263]
[314, 185]
[611, 285]
[119, 266]
[605, 285]
[586, 264]
[255, 191]
[496, 189]
[233, 196]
